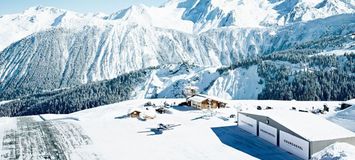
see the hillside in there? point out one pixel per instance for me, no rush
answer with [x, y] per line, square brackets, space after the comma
[288, 49]
[301, 74]
[68, 57]
[345, 118]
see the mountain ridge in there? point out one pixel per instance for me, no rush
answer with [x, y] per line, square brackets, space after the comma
[190, 16]
[67, 57]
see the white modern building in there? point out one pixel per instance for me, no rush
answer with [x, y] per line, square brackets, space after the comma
[301, 134]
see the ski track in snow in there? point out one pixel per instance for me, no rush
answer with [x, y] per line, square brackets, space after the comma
[37, 139]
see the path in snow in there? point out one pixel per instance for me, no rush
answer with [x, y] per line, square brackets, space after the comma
[39, 140]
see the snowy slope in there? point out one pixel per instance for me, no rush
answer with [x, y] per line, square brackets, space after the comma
[170, 82]
[346, 118]
[340, 151]
[71, 56]
[65, 48]
[190, 16]
[163, 17]
[35, 19]
[105, 133]
[112, 137]
[237, 84]
[209, 14]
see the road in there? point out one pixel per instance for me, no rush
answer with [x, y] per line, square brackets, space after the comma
[46, 140]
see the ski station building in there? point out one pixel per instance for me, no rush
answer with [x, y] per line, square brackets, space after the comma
[301, 134]
[205, 102]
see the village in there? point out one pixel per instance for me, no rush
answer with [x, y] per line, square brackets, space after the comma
[298, 130]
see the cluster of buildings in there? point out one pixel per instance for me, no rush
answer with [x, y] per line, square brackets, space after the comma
[299, 133]
[201, 101]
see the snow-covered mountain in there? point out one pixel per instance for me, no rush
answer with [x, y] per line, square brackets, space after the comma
[190, 16]
[35, 19]
[71, 56]
[49, 48]
[209, 14]
[170, 81]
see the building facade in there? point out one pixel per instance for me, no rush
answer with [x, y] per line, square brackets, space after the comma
[205, 102]
[302, 141]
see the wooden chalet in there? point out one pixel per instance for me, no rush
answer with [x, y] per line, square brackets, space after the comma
[206, 102]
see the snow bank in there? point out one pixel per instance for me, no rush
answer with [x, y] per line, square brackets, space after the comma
[339, 151]
[345, 118]
[4, 102]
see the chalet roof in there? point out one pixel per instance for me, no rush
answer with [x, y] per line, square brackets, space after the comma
[135, 110]
[215, 98]
[197, 98]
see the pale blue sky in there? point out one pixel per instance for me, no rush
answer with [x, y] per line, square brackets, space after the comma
[84, 6]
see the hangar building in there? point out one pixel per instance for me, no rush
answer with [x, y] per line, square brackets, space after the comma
[301, 134]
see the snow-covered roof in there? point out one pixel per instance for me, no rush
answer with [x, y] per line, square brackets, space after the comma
[215, 98]
[350, 102]
[139, 109]
[149, 113]
[145, 112]
[197, 99]
[135, 109]
[306, 125]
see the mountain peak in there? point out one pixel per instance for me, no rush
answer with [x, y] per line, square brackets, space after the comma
[206, 14]
[41, 8]
[189, 16]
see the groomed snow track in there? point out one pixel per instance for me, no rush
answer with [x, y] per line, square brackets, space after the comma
[40, 140]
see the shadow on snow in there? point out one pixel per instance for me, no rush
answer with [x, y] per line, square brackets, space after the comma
[250, 144]
[183, 108]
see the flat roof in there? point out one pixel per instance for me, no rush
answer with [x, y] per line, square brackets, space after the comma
[197, 99]
[306, 125]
